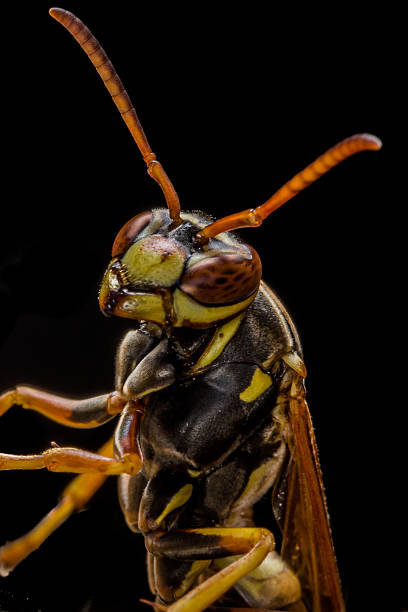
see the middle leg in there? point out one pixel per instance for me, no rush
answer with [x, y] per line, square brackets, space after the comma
[127, 456]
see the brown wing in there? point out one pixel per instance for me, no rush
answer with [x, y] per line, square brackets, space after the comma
[307, 543]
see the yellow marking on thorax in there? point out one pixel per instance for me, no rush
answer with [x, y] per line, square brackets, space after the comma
[260, 480]
[194, 473]
[218, 342]
[179, 499]
[255, 480]
[196, 568]
[260, 382]
[190, 312]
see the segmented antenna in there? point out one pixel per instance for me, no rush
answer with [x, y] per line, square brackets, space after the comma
[252, 217]
[114, 85]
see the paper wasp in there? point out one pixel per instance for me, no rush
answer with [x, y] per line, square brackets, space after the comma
[211, 402]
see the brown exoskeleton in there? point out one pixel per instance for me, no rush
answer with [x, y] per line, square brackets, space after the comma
[209, 389]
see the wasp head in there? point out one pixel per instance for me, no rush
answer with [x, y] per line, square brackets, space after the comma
[161, 273]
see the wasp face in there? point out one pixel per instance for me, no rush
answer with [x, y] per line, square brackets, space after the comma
[160, 273]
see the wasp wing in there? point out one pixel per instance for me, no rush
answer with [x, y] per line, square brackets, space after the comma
[307, 543]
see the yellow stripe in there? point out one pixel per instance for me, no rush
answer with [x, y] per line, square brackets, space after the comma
[194, 473]
[193, 314]
[260, 382]
[257, 480]
[180, 498]
[196, 568]
[218, 342]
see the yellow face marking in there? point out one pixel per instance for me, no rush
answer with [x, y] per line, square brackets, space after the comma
[179, 499]
[191, 313]
[146, 306]
[154, 260]
[105, 288]
[260, 382]
[218, 342]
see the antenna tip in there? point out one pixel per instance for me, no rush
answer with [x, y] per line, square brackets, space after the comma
[57, 13]
[373, 142]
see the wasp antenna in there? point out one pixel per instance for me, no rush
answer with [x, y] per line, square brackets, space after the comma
[252, 217]
[114, 85]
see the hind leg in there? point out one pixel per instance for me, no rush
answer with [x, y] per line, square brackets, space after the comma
[254, 559]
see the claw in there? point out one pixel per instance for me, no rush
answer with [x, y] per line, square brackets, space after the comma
[4, 570]
[7, 400]
[154, 605]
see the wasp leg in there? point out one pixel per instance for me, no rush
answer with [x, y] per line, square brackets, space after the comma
[85, 413]
[59, 459]
[253, 543]
[158, 606]
[73, 460]
[229, 609]
[74, 497]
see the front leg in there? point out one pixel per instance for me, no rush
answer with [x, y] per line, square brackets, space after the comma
[81, 414]
[152, 373]
[94, 411]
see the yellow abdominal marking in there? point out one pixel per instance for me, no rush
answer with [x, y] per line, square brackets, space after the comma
[260, 382]
[180, 498]
[271, 583]
[218, 342]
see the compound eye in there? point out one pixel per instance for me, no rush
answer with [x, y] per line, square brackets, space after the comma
[223, 279]
[130, 232]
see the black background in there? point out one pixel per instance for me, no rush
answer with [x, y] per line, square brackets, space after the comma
[234, 101]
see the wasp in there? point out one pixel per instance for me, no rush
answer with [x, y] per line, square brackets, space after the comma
[210, 402]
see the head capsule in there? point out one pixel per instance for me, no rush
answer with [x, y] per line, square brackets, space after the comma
[160, 273]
